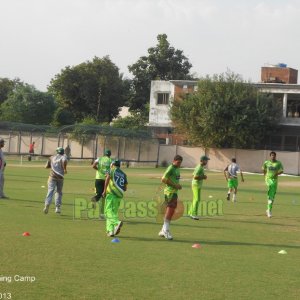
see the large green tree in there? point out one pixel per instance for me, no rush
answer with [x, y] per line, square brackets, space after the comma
[91, 89]
[163, 62]
[28, 105]
[7, 86]
[226, 112]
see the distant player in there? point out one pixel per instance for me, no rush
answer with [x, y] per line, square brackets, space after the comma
[230, 173]
[2, 168]
[102, 166]
[58, 165]
[271, 169]
[171, 179]
[114, 188]
[198, 177]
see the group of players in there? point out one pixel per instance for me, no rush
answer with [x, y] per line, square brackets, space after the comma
[271, 169]
[111, 183]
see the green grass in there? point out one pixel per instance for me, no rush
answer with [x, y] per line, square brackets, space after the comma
[73, 259]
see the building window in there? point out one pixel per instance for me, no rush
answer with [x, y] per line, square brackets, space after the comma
[162, 98]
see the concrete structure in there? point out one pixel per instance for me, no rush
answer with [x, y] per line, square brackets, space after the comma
[279, 74]
[163, 94]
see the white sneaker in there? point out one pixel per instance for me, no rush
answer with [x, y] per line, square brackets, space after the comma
[57, 210]
[269, 213]
[110, 234]
[46, 209]
[165, 234]
[118, 228]
[194, 217]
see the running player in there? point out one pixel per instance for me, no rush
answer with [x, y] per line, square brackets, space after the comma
[230, 173]
[198, 177]
[271, 169]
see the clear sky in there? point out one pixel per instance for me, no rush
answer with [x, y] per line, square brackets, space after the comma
[38, 38]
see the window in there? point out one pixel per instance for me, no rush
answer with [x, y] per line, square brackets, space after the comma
[162, 98]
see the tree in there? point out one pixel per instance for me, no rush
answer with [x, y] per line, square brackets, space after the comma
[163, 62]
[135, 121]
[94, 88]
[7, 86]
[226, 112]
[28, 105]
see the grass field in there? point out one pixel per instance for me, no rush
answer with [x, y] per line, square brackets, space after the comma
[72, 258]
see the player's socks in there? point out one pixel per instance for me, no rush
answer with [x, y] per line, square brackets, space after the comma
[166, 225]
[234, 197]
[270, 204]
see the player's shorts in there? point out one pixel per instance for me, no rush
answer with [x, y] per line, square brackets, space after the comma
[171, 200]
[233, 183]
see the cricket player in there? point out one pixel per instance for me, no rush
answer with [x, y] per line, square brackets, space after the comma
[271, 169]
[230, 173]
[171, 179]
[102, 167]
[58, 165]
[198, 177]
[114, 188]
[2, 168]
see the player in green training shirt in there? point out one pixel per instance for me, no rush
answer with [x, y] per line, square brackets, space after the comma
[198, 177]
[272, 168]
[171, 179]
[114, 188]
[102, 166]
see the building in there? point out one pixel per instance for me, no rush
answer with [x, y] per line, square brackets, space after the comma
[162, 94]
[286, 89]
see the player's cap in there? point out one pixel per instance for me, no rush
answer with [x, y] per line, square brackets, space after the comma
[60, 150]
[2, 141]
[116, 163]
[107, 152]
[204, 157]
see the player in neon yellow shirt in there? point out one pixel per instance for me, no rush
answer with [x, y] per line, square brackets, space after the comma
[102, 167]
[171, 179]
[271, 169]
[198, 177]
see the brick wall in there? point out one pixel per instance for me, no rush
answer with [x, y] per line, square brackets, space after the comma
[279, 75]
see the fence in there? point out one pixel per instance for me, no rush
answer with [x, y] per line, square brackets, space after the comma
[125, 148]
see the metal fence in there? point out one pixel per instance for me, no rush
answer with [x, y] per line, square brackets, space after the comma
[131, 149]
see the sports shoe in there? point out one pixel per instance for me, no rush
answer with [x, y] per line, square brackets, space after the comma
[118, 228]
[57, 210]
[269, 213]
[4, 197]
[102, 217]
[228, 197]
[165, 234]
[46, 209]
[194, 217]
[110, 234]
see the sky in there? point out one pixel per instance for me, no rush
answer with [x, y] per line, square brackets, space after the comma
[39, 38]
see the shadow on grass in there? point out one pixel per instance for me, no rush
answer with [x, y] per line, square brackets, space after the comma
[205, 242]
